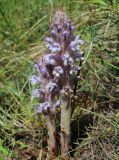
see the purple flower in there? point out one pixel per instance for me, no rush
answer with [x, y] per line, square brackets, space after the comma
[59, 28]
[78, 40]
[54, 47]
[53, 32]
[71, 28]
[58, 71]
[67, 24]
[42, 107]
[75, 44]
[67, 59]
[41, 69]
[38, 109]
[34, 79]
[46, 105]
[49, 59]
[66, 34]
[49, 40]
[77, 55]
[36, 93]
[74, 69]
[51, 86]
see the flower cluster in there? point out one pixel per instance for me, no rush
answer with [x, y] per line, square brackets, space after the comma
[59, 68]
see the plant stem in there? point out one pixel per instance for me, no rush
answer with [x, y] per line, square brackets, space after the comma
[65, 127]
[50, 121]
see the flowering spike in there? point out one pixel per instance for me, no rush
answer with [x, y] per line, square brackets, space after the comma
[58, 73]
[59, 66]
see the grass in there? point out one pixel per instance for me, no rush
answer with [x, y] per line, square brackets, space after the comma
[23, 26]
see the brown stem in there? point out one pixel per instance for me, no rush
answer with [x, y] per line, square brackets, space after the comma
[65, 127]
[50, 121]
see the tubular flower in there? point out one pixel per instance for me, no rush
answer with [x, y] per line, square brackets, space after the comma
[34, 79]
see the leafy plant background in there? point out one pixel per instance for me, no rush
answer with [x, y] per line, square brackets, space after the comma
[95, 121]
